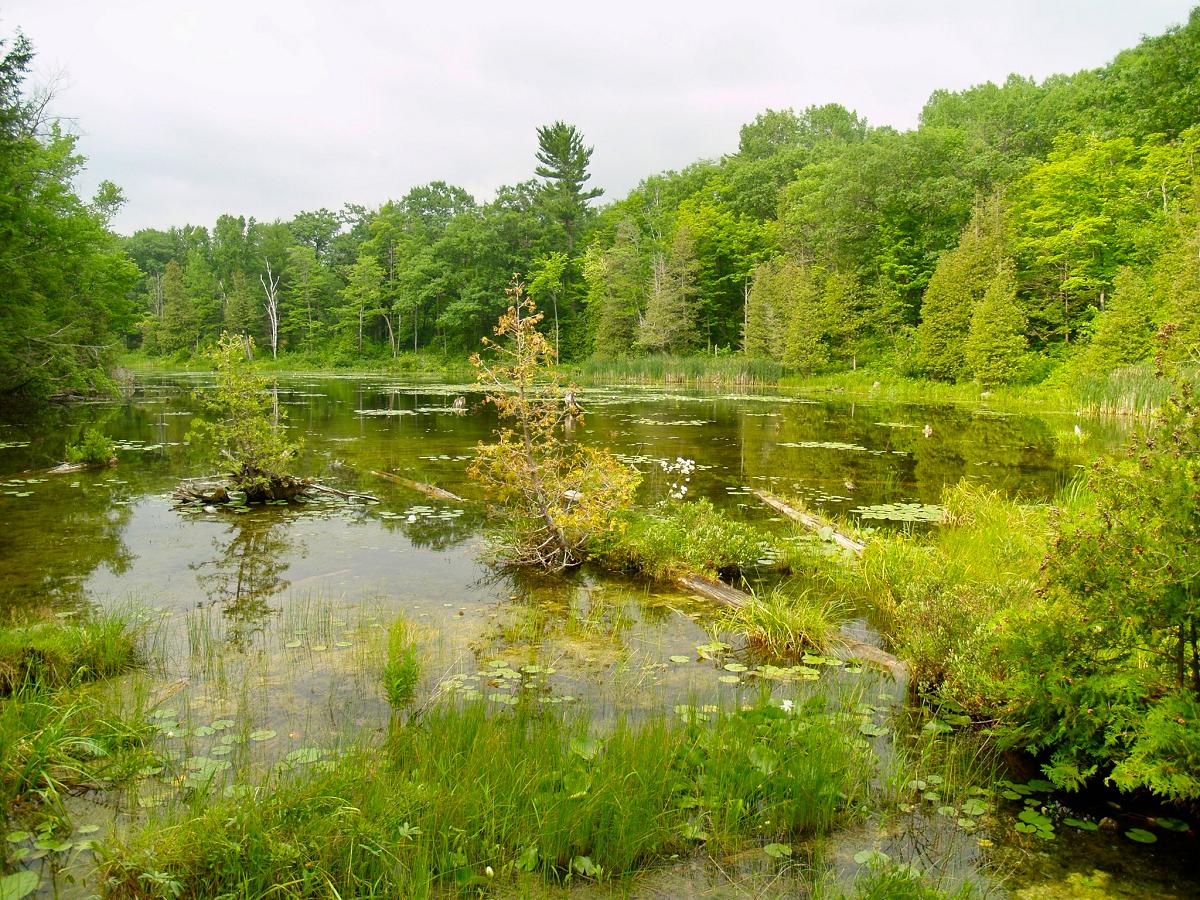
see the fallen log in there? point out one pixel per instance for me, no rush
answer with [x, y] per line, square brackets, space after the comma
[67, 468]
[810, 521]
[848, 647]
[346, 495]
[429, 490]
[713, 590]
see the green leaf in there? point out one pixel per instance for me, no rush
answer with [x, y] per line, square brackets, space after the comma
[778, 851]
[1141, 835]
[871, 858]
[528, 860]
[18, 885]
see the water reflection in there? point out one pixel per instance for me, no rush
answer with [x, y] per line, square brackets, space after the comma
[253, 553]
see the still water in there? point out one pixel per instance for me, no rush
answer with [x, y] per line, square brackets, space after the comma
[276, 613]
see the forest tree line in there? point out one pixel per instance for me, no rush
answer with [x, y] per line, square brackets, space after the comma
[1021, 228]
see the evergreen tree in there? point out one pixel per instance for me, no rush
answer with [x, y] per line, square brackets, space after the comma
[243, 312]
[1176, 281]
[1124, 331]
[614, 290]
[668, 324]
[842, 306]
[959, 281]
[804, 343]
[178, 328]
[996, 343]
[764, 333]
[563, 163]
[201, 289]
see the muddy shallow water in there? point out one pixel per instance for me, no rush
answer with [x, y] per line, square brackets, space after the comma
[272, 619]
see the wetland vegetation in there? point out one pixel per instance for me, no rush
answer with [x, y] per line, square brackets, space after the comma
[269, 633]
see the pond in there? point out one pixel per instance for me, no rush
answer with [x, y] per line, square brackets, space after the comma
[275, 616]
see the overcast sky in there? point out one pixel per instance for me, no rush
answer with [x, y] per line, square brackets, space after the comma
[268, 107]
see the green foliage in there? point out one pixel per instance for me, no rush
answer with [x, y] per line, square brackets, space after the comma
[402, 669]
[959, 282]
[56, 735]
[1124, 331]
[243, 428]
[535, 797]
[1113, 677]
[64, 277]
[557, 496]
[785, 623]
[615, 288]
[995, 346]
[667, 324]
[51, 655]
[678, 538]
[95, 448]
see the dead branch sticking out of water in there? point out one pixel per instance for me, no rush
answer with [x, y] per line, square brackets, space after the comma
[429, 490]
[810, 521]
[67, 468]
[713, 590]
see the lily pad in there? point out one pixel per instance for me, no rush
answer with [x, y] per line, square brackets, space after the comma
[778, 851]
[681, 659]
[729, 679]
[1081, 824]
[263, 734]
[1141, 835]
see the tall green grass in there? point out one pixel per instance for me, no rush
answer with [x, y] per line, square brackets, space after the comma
[56, 734]
[1130, 391]
[402, 667]
[786, 623]
[679, 538]
[463, 796]
[53, 654]
[663, 368]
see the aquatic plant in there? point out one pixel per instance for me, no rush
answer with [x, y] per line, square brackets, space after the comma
[94, 448]
[785, 623]
[402, 668]
[50, 655]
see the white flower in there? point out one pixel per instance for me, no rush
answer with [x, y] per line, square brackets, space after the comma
[785, 705]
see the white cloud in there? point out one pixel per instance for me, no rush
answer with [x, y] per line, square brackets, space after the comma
[266, 107]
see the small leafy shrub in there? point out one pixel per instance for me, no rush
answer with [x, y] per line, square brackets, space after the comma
[402, 670]
[95, 448]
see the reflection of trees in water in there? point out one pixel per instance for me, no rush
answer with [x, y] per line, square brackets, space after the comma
[71, 542]
[253, 554]
[571, 615]
[432, 533]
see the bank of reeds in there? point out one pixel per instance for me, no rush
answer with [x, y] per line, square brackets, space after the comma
[662, 368]
[462, 796]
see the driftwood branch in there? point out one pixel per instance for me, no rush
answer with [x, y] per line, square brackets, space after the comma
[810, 521]
[348, 495]
[429, 490]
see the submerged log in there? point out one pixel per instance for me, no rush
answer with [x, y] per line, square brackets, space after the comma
[849, 647]
[429, 490]
[346, 495]
[811, 521]
[213, 490]
[67, 468]
[713, 590]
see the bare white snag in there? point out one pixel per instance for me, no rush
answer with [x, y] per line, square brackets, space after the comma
[270, 283]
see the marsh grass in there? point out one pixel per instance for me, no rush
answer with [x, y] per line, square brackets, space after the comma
[50, 655]
[533, 796]
[942, 596]
[786, 623]
[1130, 391]
[58, 733]
[667, 369]
[679, 538]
